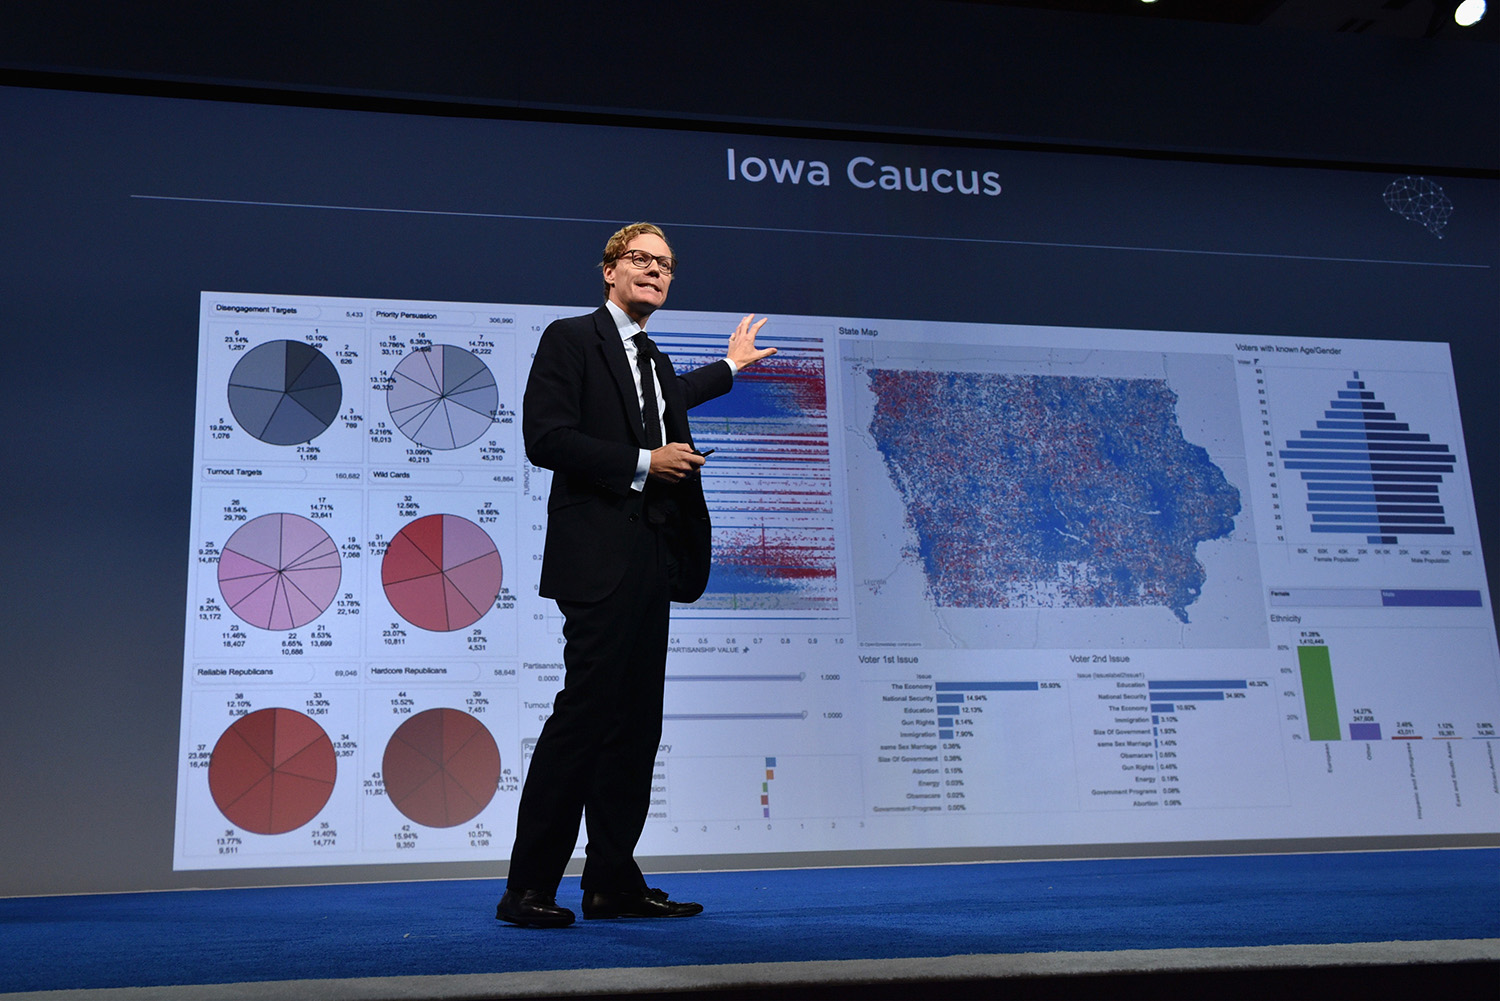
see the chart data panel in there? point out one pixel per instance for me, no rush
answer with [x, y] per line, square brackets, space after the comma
[973, 584]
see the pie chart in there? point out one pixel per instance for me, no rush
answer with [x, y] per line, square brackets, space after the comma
[441, 767]
[443, 397]
[285, 392]
[441, 572]
[279, 571]
[272, 771]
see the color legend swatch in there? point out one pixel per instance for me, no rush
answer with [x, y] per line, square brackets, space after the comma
[441, 573]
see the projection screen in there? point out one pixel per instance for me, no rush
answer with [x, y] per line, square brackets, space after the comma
[1090, 500]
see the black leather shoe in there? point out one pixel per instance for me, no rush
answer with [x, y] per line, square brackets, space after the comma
[646, 904]
[533, 909]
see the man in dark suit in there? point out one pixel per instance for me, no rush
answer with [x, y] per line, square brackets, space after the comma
[627, 533]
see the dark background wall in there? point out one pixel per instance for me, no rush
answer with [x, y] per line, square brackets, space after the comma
[915, 68]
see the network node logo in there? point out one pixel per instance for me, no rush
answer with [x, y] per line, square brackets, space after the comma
[1421, 201]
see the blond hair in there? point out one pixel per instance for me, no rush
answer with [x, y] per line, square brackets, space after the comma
[614, 248]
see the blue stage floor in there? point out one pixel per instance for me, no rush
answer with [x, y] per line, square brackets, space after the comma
[879, 913]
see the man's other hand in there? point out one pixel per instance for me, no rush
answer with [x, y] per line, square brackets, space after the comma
[674, 460]
[742, 349]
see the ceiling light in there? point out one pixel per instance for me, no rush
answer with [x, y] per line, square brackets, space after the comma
[1469, 12]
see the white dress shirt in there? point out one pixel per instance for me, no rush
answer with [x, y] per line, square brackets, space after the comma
[628, 328]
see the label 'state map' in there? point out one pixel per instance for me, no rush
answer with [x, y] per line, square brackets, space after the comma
[974, 585]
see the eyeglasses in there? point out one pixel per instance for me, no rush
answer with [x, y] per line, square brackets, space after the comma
[643, 260]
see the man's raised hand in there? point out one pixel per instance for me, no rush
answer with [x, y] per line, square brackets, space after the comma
[742, 349]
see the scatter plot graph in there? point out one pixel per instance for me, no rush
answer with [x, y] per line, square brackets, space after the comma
[769, 485]
[763, 566]
[272, 771]
[441, 573]
[441, 768]
[443, 397]
[279, 571]
[285, 392]
[1369, 473]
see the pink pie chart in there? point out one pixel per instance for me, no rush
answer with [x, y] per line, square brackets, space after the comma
[279, 571]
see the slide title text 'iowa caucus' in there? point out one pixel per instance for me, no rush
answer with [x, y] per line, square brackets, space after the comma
[863, 172]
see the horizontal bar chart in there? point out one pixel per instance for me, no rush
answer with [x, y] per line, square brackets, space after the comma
[954, 696]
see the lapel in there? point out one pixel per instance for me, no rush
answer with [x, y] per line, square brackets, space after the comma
[618, 364]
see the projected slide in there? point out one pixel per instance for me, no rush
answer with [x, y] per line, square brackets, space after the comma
[973, 585]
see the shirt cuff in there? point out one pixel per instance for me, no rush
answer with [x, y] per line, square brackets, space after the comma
[642, 467]
[733, 368]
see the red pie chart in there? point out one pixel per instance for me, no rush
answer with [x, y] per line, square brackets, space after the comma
[441, 572]
[441, 767]
[272, 771]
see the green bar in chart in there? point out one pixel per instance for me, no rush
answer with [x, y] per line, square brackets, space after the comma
[1317, 693]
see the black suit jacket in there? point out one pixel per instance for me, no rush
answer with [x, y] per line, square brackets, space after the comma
[580, 419]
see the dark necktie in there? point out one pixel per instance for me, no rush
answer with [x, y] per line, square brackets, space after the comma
[649, 416]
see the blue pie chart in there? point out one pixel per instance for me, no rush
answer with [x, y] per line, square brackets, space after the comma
[285, 392]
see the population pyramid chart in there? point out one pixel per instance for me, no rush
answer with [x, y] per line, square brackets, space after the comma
[1369, 473]
[443, 398]
[441, 767]
[285, 392]
[272, 771]
[441, 573]
[279, 571]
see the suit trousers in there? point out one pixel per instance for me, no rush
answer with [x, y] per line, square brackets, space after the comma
[597, 752]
